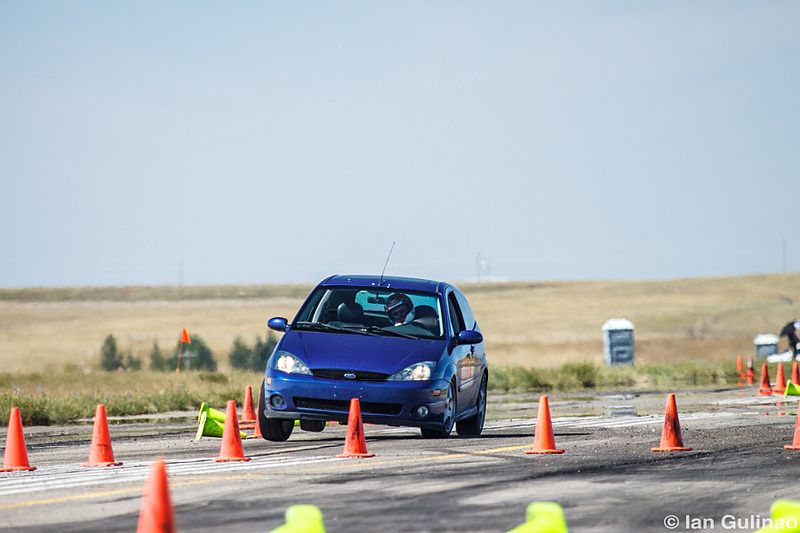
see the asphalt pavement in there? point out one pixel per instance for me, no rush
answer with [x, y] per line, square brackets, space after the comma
[608, 479]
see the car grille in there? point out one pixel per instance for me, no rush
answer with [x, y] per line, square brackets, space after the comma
[361, 375]
[375, 408]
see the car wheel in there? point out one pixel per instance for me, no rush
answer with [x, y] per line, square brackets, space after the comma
[472, 427]
[449, 418]
[274, 429]
[312, 425]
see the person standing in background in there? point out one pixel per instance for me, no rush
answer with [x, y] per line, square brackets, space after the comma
[790, 332]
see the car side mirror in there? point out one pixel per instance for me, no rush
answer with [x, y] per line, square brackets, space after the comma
[278, 323]
[469, 336]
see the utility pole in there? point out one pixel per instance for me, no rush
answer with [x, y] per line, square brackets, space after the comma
[481, 267]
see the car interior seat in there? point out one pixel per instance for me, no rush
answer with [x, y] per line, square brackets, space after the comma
[331, 310]
[426, 316]
[350, 313]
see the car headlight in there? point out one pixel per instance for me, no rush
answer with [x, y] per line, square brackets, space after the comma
[290, 364]
[415, 372]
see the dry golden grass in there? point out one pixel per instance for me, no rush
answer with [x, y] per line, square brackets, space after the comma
[710, 318]
[58, 397]
[529, 324]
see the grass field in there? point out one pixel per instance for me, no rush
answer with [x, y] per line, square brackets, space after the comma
[540, 336]
[59, 397]
[525, 324]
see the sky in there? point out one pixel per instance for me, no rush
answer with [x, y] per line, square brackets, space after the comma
[157, 142]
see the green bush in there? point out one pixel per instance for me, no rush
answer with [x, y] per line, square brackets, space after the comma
[132, 363]
[262, 350]
[202, 358]
[575, 376]
[60, 397]
[241, 354]
[110, 358]
[585, 374]
[244, 357]
[157, 360]
[213, 377]
[517, 378]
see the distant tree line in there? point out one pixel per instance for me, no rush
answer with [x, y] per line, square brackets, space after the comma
[241, 357]
[111, 358]
[245, 357]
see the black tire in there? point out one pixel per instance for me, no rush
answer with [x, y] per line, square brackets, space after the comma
[315, 426]
[472, 427]
[274, 429]
[444, 431]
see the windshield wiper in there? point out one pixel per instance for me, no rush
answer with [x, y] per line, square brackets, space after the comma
[327, 327]
[376, 329]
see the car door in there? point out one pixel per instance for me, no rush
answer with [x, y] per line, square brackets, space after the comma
[477, 355]
[462, 356]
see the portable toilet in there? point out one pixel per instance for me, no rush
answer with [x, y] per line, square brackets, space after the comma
[618, 341]
[766, 344]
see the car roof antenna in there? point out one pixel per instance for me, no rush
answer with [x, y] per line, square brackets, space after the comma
[387, 262]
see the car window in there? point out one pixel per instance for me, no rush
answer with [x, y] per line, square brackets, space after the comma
[400, 313]
[466, 312]
[456, 319]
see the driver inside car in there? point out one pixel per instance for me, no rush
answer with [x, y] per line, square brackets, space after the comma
[399, 309]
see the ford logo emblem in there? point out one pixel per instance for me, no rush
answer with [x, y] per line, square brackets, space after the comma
[349, 375]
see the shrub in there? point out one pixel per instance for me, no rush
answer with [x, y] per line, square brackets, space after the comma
[110, 358]
[132, 363]
[585, 374]
[241, 354]
[202, 358]
[243, 357]
[262, 351]
[213, 377]
[157, 360]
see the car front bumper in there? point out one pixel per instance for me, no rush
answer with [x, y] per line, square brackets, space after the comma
[393, 403]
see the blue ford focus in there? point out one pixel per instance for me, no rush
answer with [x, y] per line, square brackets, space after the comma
[409, 349]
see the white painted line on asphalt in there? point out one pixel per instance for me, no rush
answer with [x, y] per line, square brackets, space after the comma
[757, 400]
[70, 476]
[605, 421]
[63, 476]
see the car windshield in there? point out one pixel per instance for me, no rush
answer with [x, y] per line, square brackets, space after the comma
[377, 311]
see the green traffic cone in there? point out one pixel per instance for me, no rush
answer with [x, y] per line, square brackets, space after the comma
[209, 427]
[791, 389]
[543, 517]
[213, 414]
[785, 516]
[302, 519]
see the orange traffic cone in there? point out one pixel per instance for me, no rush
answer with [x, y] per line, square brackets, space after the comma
[764, 389]
[671, 438]
[780, 381]
[101, 453]
[354, 443]
[257, 429]
[543, 439]
[795, 373]
[249, 416]
[155, 515]
[740, 366]
[751, 374]
[795, 445]
[230, 449]
[16, 455]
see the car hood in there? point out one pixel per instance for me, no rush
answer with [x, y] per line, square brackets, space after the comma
[360, 352]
